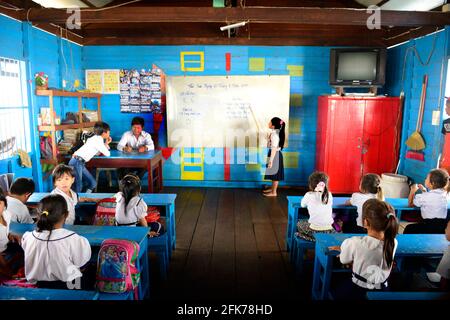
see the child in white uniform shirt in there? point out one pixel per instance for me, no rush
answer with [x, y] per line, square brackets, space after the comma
[319, 202]
[11, 255]
[432, 204]
[20, 192]
[63, 178]
[54, 255]
[369, 188]
[131, 209]
[96, 144]
[371, 256]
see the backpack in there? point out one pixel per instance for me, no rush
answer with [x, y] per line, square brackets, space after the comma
[84, 136]
[45, 145]
[105, 212]
[116, 267]
[153, 214]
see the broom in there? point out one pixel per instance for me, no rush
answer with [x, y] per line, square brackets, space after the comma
[415, 141]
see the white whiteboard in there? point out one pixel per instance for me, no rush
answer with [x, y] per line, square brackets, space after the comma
[214, 111]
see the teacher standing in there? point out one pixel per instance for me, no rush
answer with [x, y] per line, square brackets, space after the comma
[135, 140]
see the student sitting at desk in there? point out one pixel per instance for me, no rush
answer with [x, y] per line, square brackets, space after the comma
[131, 209]
[99, 143]
[371, 256]
[432, 204]
[63, 178]
[135, 140]
[369, 188]
[54, 255]
[20, 192]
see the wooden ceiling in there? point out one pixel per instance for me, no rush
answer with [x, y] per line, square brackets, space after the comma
[193, 22]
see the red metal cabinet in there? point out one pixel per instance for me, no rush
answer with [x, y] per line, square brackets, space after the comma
[357, 135]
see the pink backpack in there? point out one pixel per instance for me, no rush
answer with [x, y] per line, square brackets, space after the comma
[116, 267]
[105, 213]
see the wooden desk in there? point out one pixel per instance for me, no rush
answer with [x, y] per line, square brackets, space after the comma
[399, 204]
[150, 160]
[96, 235]
[409, 245]
[152, 199]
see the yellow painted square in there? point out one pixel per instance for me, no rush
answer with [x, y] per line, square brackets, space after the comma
[192, 57]
[256, 64]
[253, 167]
[294, 126]
[291, 159]
[295, 71]
[296, 100]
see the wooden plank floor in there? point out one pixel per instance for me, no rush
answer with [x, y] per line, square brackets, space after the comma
[230, 245]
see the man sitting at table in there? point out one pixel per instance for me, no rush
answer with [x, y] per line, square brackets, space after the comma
[136, 140]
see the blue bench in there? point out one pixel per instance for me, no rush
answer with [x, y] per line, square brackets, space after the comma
[409, 245]
[390, 295]
[16, 293]
[298, 251]
[400, 205]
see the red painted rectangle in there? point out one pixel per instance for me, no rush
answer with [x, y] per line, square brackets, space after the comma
[227, 61]
[226, 164]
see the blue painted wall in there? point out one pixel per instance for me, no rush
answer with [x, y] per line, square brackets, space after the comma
[411, 85]
[44, 52]
[313, 83]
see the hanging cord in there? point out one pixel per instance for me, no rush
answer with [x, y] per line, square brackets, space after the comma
[112, 7]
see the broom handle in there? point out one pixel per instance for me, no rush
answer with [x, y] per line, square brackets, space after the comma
[420, 108]
[424, 91]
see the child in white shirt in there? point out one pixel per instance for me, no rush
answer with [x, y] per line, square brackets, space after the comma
[432, 204]
[319, 202]
[131, 209]
[371, 256]
[369, 188]
[54, 255]
[92, 146]
[20, 192]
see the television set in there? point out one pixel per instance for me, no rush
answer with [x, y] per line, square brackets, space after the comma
[357, 67]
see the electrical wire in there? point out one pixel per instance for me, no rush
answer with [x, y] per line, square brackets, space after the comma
[112, 7]
[11, 8]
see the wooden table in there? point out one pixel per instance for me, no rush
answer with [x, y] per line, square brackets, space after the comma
[150, 160]
[97, 234]
[409, 245]
[399, 204]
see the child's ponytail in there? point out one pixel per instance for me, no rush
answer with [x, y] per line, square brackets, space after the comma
[389, 237]
[318, 182]
[130, 186]
[280, 125]
[52, 209]
[371, 183]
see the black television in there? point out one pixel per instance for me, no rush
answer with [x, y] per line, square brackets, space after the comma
[357, 67]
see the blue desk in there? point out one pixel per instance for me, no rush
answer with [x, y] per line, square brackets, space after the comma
[13, 293]
[399, 204]
[150, 160]
[392, 295]
[96, 235]
[409, 245]
[152, 199]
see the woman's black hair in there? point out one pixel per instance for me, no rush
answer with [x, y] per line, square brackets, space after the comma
[52, 209]
[380, 216]
[280, 125]
[130, 186]
[314, 180]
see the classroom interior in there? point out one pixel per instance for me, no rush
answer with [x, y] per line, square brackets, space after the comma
[62, 70]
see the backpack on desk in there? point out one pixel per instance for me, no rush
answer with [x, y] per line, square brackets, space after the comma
[105, 213]
[116, 266]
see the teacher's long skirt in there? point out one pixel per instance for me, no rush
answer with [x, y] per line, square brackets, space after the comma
[276, 173]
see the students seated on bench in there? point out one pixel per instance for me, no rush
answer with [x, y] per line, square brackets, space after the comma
[54, 255]
[20, 192]
[432, 204]
[371, 256]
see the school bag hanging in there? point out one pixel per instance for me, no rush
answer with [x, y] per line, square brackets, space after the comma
[153, 214]
[116, 267]
[105, 213]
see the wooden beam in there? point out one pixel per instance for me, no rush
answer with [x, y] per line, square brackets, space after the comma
[323, 16]
[299, 41]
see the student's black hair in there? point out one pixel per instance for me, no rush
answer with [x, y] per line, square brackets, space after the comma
[314, 180]
[101, 127]
[280, 125]
[3, 197]
[130, 186]
[52, 209]
[380, 216]
[370, 183]
[22, 186]
[439, 178]
[60, 170]
[138, 120]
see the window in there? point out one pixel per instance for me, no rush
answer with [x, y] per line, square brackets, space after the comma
[14, 118]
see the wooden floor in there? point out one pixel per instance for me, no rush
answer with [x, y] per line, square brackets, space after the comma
[230, 244]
